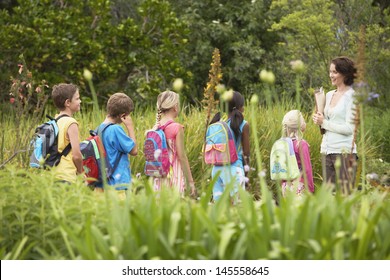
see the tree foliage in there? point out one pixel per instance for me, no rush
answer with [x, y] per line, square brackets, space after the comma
[59, 39]
[141, 46]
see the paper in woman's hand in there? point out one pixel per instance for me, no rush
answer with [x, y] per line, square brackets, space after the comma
[320, 100]
[320, 103]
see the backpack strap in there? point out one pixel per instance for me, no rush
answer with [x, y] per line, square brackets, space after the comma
[59, 117]
[68, 147]
[66, 151]
[164, 126]
[116, 163]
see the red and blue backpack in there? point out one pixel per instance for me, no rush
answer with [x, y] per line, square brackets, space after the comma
[93, 152]
[156, 152]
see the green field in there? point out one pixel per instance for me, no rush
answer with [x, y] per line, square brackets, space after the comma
[43, 220]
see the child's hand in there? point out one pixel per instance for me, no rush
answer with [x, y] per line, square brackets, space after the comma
[127, 120]
[193, 189]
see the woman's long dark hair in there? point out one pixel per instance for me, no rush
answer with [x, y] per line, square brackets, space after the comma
[236, 117]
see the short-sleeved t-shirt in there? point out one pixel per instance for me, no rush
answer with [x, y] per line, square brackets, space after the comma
[118, 145]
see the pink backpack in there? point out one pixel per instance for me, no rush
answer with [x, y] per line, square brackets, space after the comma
[156, 152]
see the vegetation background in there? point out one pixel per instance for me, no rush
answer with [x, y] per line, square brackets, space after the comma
[140, 47]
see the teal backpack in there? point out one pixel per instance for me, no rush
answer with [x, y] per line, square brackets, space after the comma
[219, 147]
[283, 163]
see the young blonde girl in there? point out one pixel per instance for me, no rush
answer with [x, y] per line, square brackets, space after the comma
[293, 126]
[180, 176]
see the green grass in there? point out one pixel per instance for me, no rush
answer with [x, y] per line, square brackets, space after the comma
[43, 220]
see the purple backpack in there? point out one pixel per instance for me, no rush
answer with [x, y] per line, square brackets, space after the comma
[156, 152]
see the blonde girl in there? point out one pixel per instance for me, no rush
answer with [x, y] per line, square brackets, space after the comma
[293, 126]
[180, 176]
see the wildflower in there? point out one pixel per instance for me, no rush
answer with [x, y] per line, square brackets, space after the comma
[297, 66]
[246, 179]
[246, 168]
[20, 68]
[178, 85]
[12, 100]
[262, 173]
[267, 76]
[228, 95]
[87, 75]
[254, 99]
[38, 90]
[372, 96]
[220, 88]
[157, 153]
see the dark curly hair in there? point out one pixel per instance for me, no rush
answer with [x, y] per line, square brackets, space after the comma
[346, 67]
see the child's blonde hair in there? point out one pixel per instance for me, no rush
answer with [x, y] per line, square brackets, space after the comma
[165, 101]
[118, 104]
[293, 124]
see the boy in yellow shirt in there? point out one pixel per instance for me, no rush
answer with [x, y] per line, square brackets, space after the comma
[66, 98]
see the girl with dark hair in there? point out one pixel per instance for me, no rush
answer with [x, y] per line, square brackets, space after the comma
[238, 170]
[338, 141]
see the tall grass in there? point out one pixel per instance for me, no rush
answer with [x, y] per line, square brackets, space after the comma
[267, 126]
[41, 219]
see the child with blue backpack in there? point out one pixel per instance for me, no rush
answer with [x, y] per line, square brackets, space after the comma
[179, 173]
[237, 170]
[117, 143]
[66, 98]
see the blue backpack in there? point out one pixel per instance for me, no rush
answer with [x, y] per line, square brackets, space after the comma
[45, 145]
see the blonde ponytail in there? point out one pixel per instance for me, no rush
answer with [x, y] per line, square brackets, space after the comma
[158, 116]
[165, 101]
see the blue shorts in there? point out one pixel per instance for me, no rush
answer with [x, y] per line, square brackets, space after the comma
[226, 176]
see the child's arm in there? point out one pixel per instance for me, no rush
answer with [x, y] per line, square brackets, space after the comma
[73, 135]
[246, 147]
[181, 154]
[304, 153]
[128, 122]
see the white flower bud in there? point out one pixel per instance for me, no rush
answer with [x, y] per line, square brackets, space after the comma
[177, 85]
[297, 66]
[228, 95]
[87, 74]
[254, 99]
